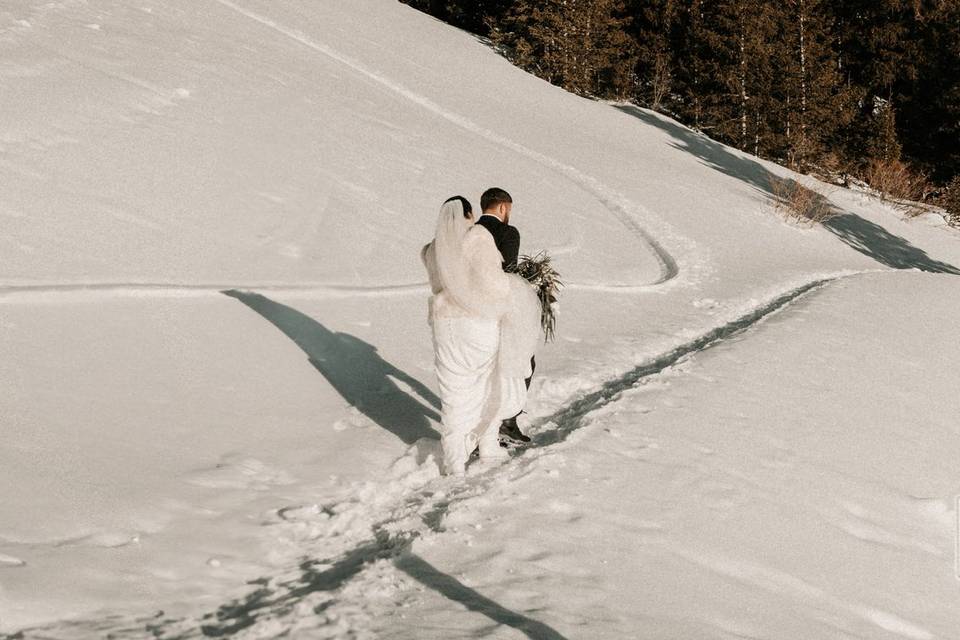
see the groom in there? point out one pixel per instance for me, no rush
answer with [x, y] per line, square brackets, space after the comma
[495, 204]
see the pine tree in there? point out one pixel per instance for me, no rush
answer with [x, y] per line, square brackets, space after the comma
[581, 45]
[472, 15]
[878, 55]
[814, 101]
[735, 53]
[696, 64]
[929, 104]
[654, 25]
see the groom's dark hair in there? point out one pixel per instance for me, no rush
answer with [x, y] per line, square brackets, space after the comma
[494, 196]
[467, 207]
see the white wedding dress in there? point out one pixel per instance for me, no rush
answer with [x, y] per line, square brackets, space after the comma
[486, 326]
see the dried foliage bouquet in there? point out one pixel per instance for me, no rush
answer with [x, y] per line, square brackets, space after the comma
[538, 271]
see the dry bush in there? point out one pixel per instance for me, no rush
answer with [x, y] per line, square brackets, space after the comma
[898, 184]
[951, 201]
[660, 84]
[796, 202]
[830, 167]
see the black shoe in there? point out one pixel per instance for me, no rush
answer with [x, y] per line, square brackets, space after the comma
[510, 431]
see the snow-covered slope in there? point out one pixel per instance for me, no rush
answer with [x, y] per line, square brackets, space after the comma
[796, 481]
[215, 364]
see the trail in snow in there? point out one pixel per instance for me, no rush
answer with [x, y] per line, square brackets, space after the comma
[626, 212]
[395, 516]
[79, 291]
[427, 507]
[570, 417]
[90, 291]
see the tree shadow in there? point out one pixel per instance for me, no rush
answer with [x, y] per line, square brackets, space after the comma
[355, 369]
[867, 237]
[893, 251]
[710, 152]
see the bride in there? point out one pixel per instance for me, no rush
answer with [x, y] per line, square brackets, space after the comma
[486, 326]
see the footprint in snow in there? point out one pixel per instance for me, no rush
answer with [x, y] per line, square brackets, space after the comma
[305, 513]
[10, 561]
[247, 473]
[103, 539]
[717, 494]
[779, 459]
[706, 303]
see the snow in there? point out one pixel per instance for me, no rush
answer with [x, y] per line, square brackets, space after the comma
[216, 367]
[693, 505]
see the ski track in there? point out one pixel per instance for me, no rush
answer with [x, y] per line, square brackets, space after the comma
[397, 516]
[626, 212]
[99, 290]
[615, 203]
[82, 292]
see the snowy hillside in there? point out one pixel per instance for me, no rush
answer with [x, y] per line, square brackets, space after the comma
[218, 399]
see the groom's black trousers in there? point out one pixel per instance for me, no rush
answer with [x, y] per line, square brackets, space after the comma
[533, 367]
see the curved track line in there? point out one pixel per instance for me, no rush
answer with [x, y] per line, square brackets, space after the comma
[81, 291]
[617, 204]
[84, 291]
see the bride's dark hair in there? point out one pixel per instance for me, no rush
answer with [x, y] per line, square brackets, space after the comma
[467, 209]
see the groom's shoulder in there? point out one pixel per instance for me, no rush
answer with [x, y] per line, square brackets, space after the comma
[497, 226]
[488, 222]
[509, 232]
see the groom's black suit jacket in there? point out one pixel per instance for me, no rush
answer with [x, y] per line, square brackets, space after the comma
[506, 237]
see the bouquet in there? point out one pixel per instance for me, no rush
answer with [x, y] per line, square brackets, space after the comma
[538, 271]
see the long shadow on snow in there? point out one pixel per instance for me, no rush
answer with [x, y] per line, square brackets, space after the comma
[355, 369]
[426, 574]
[316, 576]
[868, 238]
[893, 251]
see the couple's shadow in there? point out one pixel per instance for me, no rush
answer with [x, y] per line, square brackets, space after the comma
[369, 383]
[355, 369]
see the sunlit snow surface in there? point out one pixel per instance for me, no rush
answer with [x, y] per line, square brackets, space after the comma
[218, 403]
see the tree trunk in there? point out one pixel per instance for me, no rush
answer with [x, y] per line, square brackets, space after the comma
[743, 85]
[803, 74]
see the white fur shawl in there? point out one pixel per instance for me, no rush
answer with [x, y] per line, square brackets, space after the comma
[490, 294]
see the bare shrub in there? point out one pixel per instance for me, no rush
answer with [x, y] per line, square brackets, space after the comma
[830, 167]
[798, 203]
[951, 201]
[660, 84]
[898, 184]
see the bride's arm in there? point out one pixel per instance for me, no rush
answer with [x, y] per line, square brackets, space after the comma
[429, 258]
